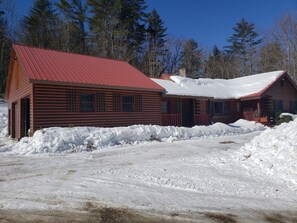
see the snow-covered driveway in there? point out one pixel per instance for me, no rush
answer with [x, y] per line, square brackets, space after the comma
[182, 179]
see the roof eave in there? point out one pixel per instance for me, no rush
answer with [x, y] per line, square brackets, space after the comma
[186, 96]
[248, 98]
[95, 86]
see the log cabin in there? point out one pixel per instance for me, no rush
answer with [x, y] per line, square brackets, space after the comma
[256, 97]
[48, 88]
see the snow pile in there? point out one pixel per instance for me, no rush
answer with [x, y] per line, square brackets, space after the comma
[57, 140]
[274, 152]
[3, 118]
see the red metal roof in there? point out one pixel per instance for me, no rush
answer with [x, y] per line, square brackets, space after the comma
[55, 66]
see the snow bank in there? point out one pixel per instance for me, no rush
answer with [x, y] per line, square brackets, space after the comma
[3, 118]
[274, 152]
[57, 140]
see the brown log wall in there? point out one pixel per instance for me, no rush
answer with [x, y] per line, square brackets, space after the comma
[51, 108]
[283, 90]
[19, 88]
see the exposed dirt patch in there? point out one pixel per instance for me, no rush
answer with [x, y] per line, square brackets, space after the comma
[91, 213]
[227, 142]
[94, 213]
[221, 218]
[281, 218]
[103, 214]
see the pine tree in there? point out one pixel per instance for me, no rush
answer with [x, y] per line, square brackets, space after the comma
[118, 28]
[244, 43]
[108, 33]
[41, 25]
[220, 65]
[134, 17]
[73, 25]
[5, 48]
[154, 59]
[191, 59]
[214, 64]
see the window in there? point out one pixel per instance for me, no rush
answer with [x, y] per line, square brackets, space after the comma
[87, 103]
[127, 103]
[100, 102]
[138, 103]
[71, 101]
[164, 107]
[278, 105]
[220, 108]
[116, 102]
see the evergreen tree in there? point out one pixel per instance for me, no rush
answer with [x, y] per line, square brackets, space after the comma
[5, 48]
[191, 59]
[73, 25]
[244, 43]
[154, 58]
[220, 65]
[214, 64]
[118, 28]
[108, 33]
[40, 27]
[134, 17]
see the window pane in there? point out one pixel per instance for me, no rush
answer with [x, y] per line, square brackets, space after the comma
[218, 108]
[127, 103]
[86, 102]
[164, 107]
[221, 108]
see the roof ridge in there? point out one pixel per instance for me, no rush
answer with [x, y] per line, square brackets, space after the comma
[61, 51]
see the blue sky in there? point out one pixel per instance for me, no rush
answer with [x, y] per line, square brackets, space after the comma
[209, 22]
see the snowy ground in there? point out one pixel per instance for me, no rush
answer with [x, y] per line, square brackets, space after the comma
[223, 174]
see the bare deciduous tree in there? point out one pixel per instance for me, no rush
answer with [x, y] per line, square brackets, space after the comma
[271, 57]
[285, 34]
[173, 55]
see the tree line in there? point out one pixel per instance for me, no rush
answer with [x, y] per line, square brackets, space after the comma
[125, 30]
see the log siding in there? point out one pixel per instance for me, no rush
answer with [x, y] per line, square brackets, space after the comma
[52, 108]
[19, 88]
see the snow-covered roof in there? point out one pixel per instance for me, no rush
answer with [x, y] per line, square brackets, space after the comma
[220, 88]
[173, 88]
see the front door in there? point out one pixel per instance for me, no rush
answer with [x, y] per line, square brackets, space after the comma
[13, 120]
[188, 112]
[25, 114]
